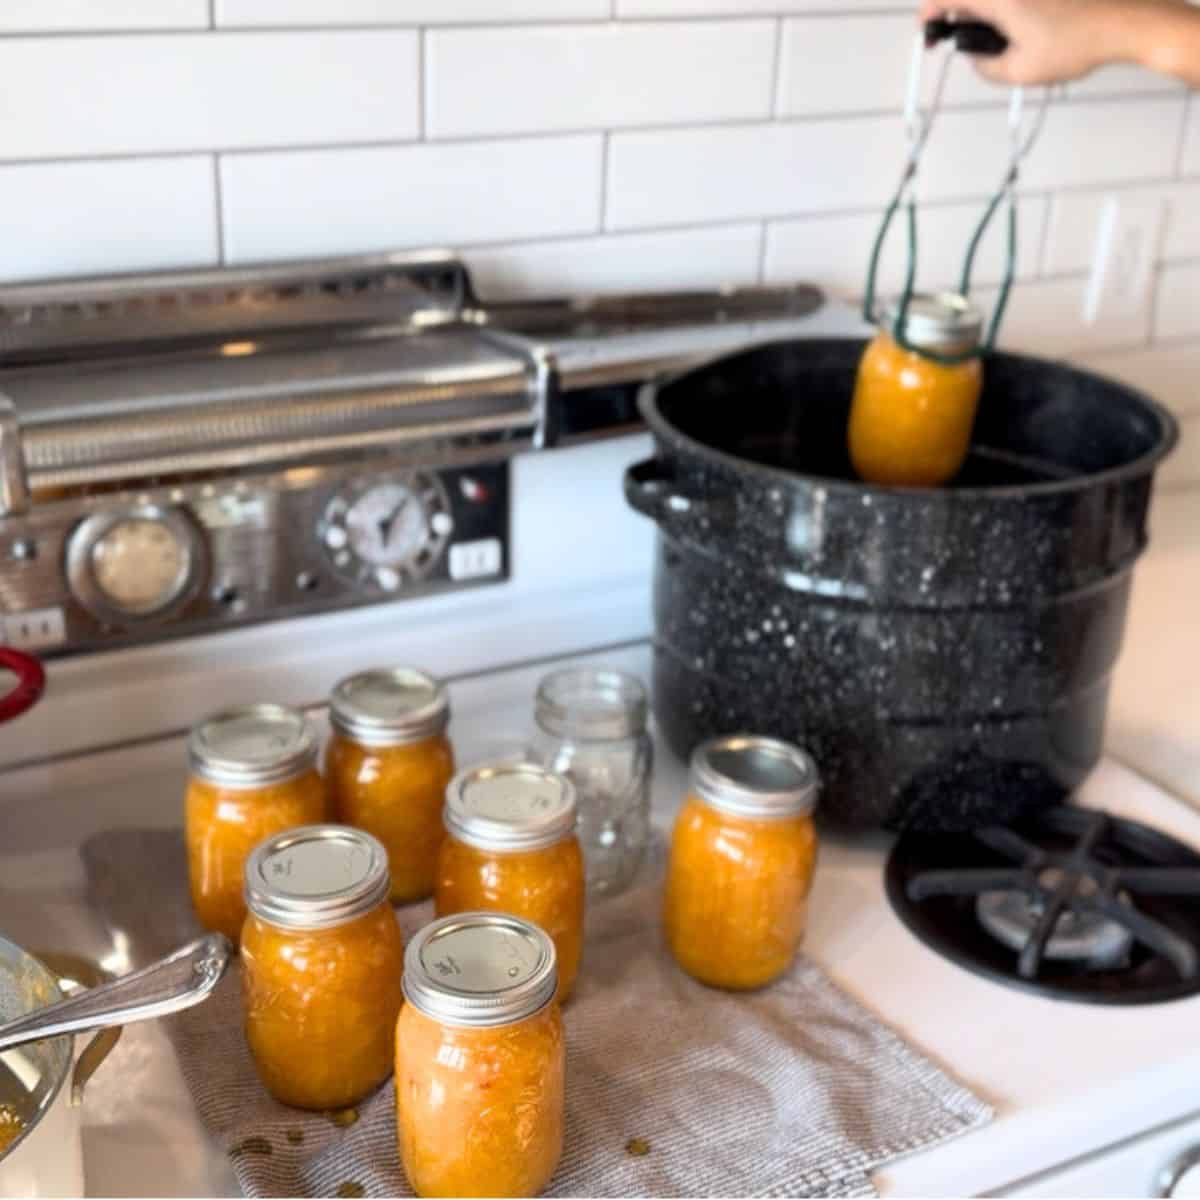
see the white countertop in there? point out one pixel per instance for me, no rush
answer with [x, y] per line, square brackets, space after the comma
[1065, 1078]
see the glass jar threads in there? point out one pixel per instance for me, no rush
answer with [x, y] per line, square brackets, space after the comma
[741, 862]
[911, 417]
[387, 768]
[592, 728]
[480, 1059]
[253, 773]
[322, 960]
[511, 847]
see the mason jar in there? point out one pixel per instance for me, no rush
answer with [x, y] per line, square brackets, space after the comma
[511, 847]
[253, 774]
[741, 865]
[322, 959]
[480, 1059]
[591, 727]
[387, 768]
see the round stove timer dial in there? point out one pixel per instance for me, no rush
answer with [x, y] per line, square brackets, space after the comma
[133, 563]
[386, 530]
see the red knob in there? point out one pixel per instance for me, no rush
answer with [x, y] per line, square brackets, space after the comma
[31, 680]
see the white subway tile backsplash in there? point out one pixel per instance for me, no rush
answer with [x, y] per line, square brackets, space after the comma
[859, 63]
[779, 169]
[739, 171]
[282, 204]
[1189, 163]
[75, 96]
[682, 8]
[92, 218]
[1046, 317]
[1170, 374]
[686, 258]
[834, 252]
[561, 77]
[295, 13]
[1176, 311]
[58, 16]
[1076, 217]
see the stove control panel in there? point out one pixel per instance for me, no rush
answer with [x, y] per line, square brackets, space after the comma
[121, 568]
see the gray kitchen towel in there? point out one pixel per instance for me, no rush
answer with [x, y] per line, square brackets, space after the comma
[673, 1089]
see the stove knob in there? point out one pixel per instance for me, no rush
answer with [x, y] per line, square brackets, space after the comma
[1181, 1176]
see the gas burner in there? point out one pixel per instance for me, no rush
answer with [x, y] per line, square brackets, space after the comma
[1071, 903]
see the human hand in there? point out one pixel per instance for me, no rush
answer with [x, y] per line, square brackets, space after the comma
[1050, 41]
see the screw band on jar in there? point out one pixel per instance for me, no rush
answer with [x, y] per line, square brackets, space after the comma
[252, 745]
[389, 707]
[510, 806]
[480, 969]
[758, 777]
[316, 877]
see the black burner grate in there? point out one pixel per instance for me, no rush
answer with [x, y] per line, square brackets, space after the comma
[1066, 860]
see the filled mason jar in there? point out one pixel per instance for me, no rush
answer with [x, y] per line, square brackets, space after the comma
[322, 961]
[511, 847]
[253, 773]
[480, 1059]
[911, 417]
[387, 768]
[592, 729]
[741, 862]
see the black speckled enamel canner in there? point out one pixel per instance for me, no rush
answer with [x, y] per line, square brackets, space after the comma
[944, 654]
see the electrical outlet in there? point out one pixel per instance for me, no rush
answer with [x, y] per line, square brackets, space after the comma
[1127, 240]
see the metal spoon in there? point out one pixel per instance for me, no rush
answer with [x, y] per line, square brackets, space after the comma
[179, 981]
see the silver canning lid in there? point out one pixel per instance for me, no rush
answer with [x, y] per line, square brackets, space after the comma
[316, 876]
[480, 968]
[389, 708]
[755, 777]
[591, 703]
[942, 321]
[252, 745]
[509, 806]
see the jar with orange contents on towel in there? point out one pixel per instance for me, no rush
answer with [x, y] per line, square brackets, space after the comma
[511, 847]
[741, 864]
[322, 960]
[387, 768]
[253, 774]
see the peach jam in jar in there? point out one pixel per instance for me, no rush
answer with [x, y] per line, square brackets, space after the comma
[480, 1058]
[741, 863]
[511, 847]
[912, 413]
[253, 774]
[322, 960]
[387, 768]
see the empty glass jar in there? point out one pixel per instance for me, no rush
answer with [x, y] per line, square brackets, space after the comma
[591, 727]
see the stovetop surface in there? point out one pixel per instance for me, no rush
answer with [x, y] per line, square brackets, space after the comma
[1071, 903]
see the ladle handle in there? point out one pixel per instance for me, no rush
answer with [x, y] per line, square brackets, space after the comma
[179, 981]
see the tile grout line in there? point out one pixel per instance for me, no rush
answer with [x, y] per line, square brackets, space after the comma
[1181, 145]
[774, 96]
[212, 14]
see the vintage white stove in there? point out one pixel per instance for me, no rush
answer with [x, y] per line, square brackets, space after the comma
[1090, 1100]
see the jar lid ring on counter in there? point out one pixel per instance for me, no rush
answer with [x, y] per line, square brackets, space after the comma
[252, 745]
[944, 322]
[480, 969]
[591, 703]
[510, 806]
[752, 776]
[389, 707]
[316, 877]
